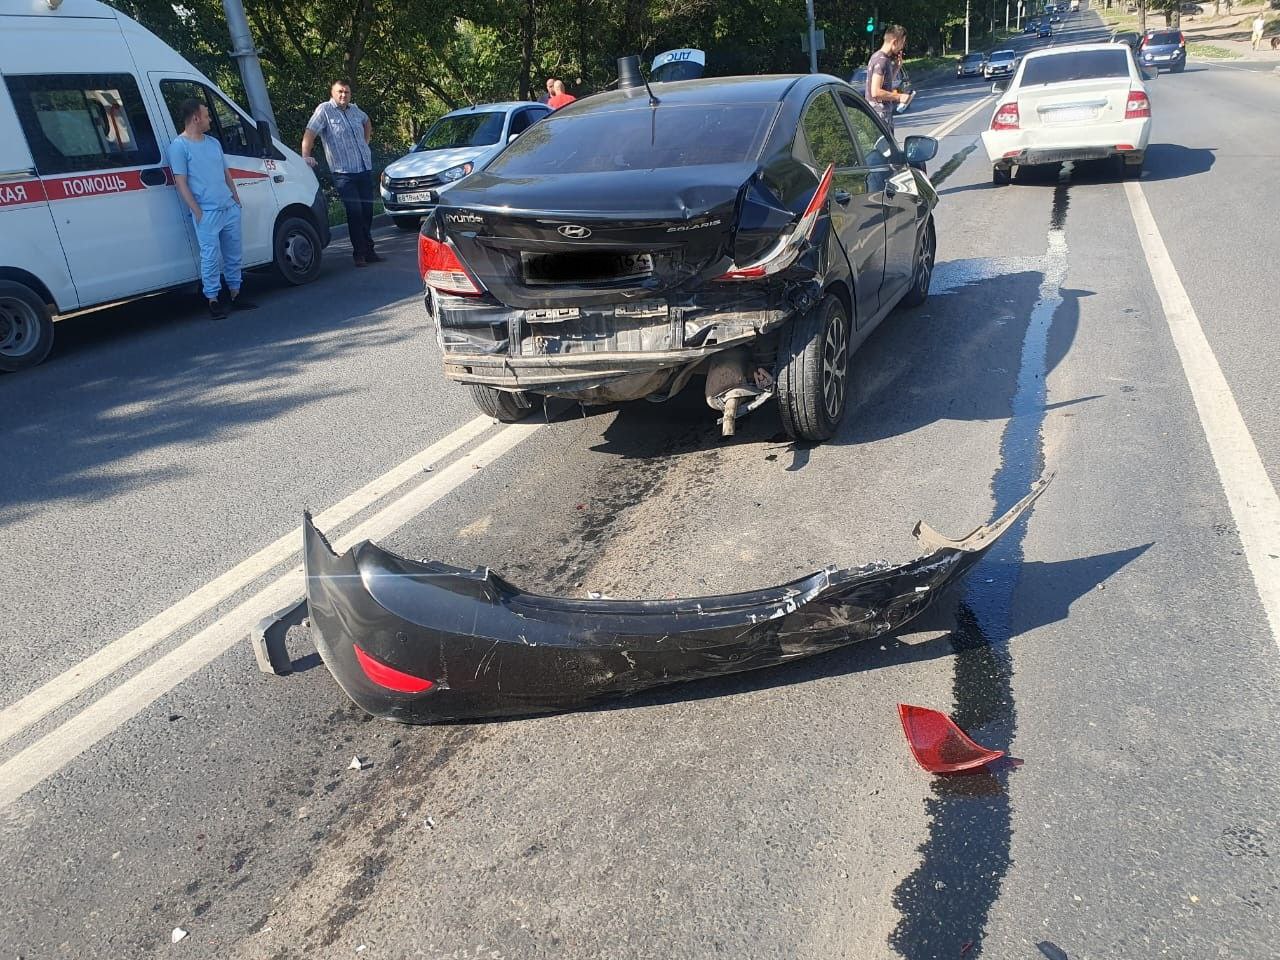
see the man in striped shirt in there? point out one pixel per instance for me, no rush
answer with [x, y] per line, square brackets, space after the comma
[345, 131]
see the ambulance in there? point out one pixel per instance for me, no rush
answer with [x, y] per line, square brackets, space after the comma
[89, 213]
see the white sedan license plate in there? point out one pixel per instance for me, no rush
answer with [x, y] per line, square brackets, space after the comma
[422, 196]
[1070, 115]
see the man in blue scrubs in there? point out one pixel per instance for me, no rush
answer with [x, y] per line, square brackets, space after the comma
[206, 187]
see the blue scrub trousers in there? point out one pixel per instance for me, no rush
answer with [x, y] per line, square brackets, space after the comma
[218, 233]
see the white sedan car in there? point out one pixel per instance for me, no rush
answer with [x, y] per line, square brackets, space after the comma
[1082, 102]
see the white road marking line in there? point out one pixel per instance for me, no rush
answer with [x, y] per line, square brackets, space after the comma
[1250, 493]
[944, 128]
[70, 684]
[52, 752]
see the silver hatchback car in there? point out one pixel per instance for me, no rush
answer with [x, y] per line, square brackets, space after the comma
[454, 147]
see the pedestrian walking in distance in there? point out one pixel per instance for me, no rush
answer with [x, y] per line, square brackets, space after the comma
[345, 131]
[882, 75]
[558, 96]
[205, 185]
[1259, 25]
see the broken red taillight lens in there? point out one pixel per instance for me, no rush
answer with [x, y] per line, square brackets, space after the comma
[441, 269]
[783, 253]
[389, 677]
[1006, 118]
[1138, 106]
[938, 744]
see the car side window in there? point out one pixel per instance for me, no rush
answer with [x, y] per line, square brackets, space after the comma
[522, 120]
[874, 145]
[826, 135]
[80, 122]
[239, 137]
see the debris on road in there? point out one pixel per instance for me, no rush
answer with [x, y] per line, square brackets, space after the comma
[358, 763]
[938, 744]
[178, 935]
[425, 642]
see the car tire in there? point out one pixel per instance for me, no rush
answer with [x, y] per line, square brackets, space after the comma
[408, 224]
[1133, 171]
[1179, 68]
[26, 327]
[503, 405]
[1000, 176]
[297, 251]
[922, 275]
[813, 371]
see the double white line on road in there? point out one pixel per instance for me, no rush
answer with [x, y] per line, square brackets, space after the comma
[52, 752]
[948, 126]
[1250, 493]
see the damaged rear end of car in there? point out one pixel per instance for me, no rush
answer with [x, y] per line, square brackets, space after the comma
[618, 249]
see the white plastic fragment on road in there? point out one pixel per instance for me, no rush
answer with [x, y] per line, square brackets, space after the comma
[357, 763]
[178, 935]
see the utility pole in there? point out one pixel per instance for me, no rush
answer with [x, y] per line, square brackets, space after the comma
[246, 57]
[813, 39]
[1006, 16]
[966, 27]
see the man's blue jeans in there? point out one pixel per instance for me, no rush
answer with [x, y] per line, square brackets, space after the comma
[356, 191]
[218, 233]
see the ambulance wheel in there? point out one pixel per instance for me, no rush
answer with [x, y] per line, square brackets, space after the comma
[26, 327]
[297, 251]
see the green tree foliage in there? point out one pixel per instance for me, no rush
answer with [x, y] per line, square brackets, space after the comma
[412, 60]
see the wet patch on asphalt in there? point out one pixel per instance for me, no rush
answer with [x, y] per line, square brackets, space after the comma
[945, 902]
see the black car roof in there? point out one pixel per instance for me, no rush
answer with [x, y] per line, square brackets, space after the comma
[709, 91]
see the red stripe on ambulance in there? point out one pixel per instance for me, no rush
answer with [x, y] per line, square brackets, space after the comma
[16, 194]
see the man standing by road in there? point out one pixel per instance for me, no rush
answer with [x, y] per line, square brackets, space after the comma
[345, 131]
[205, 185]
[882, 75]
[551, 92]
[558, 96]
[1259, 25]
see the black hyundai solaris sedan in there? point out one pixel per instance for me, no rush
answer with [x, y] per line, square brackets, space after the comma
[748, 230]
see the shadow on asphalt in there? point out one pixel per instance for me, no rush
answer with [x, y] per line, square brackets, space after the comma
[1165, 161]
[160, 373]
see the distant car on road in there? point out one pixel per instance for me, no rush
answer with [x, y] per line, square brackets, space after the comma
[1079, 102]
[455, 146]
[1193, 8]
[1164, 50]
[1045, 30]
[1033, 26]
[971, 65]
[1001, 63]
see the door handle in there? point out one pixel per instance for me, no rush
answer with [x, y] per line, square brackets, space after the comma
[154, 177]
[842, 197]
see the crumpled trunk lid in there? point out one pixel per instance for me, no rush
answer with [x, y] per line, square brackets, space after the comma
[536, 242]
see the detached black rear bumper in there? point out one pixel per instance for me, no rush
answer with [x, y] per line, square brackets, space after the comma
[487, 649]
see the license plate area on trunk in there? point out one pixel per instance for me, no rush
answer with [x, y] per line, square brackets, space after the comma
[583, 267]
[1069, 114]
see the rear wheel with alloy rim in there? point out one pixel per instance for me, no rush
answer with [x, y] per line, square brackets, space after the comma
[26, 327]
[922, 276]
[813, 371]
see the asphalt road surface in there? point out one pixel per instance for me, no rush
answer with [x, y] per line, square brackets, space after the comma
[1117, 643]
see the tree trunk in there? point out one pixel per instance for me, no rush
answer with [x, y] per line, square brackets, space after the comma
[1142, 16]
[528, 25]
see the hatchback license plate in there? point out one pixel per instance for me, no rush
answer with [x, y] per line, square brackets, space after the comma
[423, 196]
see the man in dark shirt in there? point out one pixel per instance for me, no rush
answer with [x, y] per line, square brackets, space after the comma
[882, 75]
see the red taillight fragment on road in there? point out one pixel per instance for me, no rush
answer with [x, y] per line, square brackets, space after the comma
[938, 744]
[389, 677]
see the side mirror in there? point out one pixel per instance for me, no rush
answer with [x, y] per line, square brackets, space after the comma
[265, 140]
[1000, 86]
[511, 139]
[1150, 73]
[920, 150]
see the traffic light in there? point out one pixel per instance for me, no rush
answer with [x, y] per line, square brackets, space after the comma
[871, 24]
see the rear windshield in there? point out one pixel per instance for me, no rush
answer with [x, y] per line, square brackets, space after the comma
[1164, 38]
[1080, 65]
[639, 139]
[469, 130]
